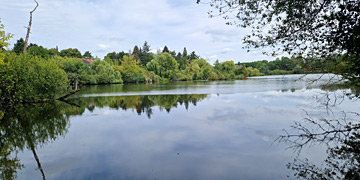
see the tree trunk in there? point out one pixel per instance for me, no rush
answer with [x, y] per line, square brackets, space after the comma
[29, 27]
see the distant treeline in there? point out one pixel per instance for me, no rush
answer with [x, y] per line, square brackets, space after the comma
[139, 65]
[298, 65]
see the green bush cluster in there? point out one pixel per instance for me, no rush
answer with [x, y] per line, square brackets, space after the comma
[98, 72]
[30, 79]
[283, 65]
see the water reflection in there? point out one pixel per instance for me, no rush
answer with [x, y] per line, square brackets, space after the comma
[335, 127]
[142, 104]
[224, 137]
[28, 126]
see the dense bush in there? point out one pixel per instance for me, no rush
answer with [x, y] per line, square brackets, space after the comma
[28, 79]
[131, 71]
[163, 65]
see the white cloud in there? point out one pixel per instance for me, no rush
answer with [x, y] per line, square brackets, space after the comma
[103, 47]
[226, 50]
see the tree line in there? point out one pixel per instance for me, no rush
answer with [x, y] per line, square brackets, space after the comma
[43, 74]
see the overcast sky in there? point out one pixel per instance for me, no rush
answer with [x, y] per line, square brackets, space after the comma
[102, 26]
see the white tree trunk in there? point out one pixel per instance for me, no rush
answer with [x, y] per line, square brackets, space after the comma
[29, 27]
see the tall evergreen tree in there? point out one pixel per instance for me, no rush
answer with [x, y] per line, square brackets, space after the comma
[135, 50]
[194, 56]
[166, 50]
[178, 56]
[184, 52]
[146, 47]
[19, 46]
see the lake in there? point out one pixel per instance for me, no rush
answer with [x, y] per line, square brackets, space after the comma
[183, 130]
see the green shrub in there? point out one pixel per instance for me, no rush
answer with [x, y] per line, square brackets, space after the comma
[29, 79]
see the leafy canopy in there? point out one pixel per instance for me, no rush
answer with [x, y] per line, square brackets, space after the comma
[308, 28]
[3, 40]
[318, 26]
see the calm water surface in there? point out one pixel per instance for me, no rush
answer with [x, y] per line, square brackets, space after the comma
[185, 130]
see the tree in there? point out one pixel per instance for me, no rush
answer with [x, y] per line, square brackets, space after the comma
[184, 52]
[130, 70]
[146, 47]
[19, 46]
[191, 72]
[163, 65]
[313, 28]
[339, 133]
[31, 45]
[4, 37]
[38, 51]
[104, 73]
[136, 52]
[29, 27]
[178, 56]
[166, 50]
[145, 55]
[70, 52]
[88, 55]
[28, 126]
[53, 52]
[227, 67]
[205, 69]
[30, 79]
[114, 58]
[194, 56]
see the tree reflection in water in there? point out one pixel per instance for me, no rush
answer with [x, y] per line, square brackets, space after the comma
[28, 126]
[142, 104]
[340, 134]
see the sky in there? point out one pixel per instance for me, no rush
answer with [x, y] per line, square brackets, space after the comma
[103, 26]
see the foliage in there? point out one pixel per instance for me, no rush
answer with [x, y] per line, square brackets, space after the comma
[163, 65]
[131, 71]
[4, 37]
[104, 73]
[191, 72]
[205, 69]
[141, 104]
[145, 55]
[3, 41]
[74, 68]
[279, 72]
[184, 52]
[28, 79]
[321, 26]
[71, 52]
[166, 50]
[27, 126]
[284, 65]
[38, 51]
[88, 55]
[136, 52]
[312, 29]
[115, 58]
[19, 46]
[98, 72]
[193, 55]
